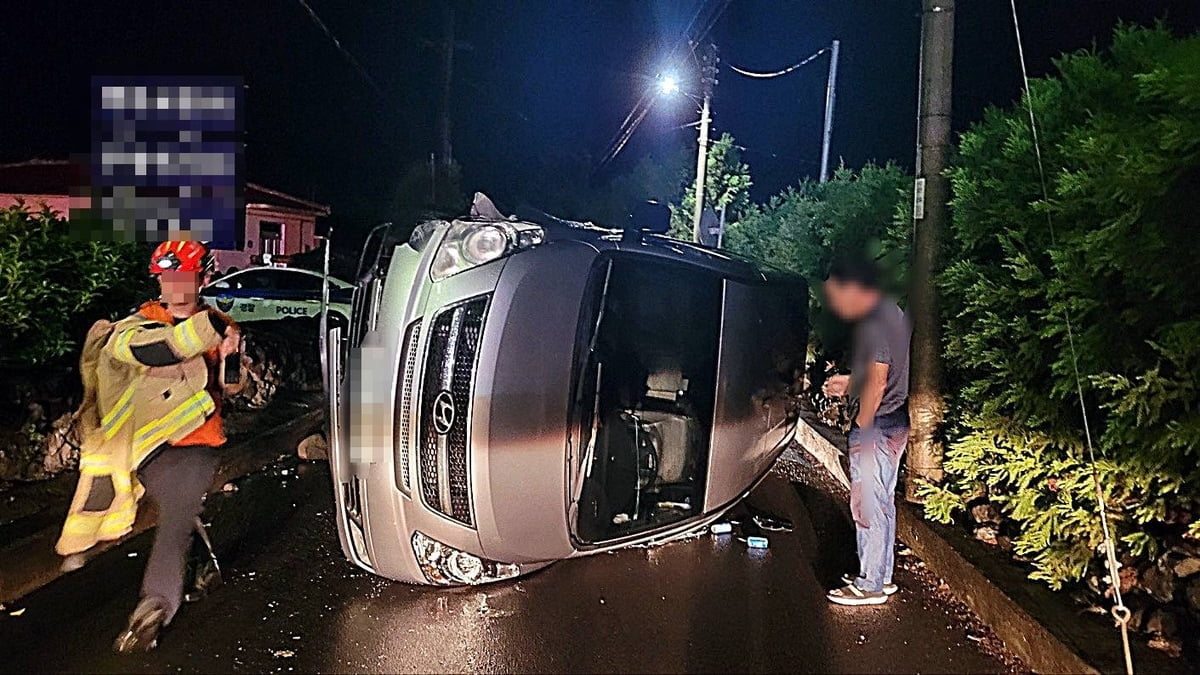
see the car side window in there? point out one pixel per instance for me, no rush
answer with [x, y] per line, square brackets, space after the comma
[297, 281]
[252, 280]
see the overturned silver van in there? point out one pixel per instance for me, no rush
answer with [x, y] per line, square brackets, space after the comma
[518, 392]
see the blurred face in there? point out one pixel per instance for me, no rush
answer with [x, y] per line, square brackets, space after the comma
[850, 300]
[179, 288]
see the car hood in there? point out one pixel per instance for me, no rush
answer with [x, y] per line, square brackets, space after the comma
[522, 404]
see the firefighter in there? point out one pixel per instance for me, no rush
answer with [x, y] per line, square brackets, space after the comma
[151, 425]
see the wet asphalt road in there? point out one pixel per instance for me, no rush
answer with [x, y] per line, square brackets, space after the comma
[291, 603]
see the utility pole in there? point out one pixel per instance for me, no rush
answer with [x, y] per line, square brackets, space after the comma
[447, 74]
[830, 96]
[708, 81]
[931, 212]
[432, 179]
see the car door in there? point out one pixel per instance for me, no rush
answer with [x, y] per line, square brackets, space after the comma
[299, 294]
[245, 296]
[763, 337]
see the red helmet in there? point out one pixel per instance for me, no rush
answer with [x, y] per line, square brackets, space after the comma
[180, 256]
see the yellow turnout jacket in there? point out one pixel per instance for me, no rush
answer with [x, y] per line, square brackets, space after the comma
[144, 385]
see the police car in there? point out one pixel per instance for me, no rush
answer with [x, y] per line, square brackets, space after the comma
[269, 293]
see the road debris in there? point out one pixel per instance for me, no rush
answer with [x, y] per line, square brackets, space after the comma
[771, 523]
[17, 612]
[313, 447]
[1170, 646]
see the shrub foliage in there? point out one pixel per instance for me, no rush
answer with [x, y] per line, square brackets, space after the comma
[52, 286]
[1114, 249]
[805, 227]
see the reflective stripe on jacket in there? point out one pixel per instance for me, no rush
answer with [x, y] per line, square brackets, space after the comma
[150, 385]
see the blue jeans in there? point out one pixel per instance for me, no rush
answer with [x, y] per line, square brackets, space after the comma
[874, 465]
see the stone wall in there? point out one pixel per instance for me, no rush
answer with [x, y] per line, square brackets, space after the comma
[37, 435]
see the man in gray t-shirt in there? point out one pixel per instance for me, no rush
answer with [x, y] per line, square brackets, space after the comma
[878, 383]
[881, 337]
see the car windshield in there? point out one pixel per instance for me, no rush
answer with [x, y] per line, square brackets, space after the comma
[644, 400]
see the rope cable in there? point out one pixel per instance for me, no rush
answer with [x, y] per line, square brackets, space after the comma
[1120, 612]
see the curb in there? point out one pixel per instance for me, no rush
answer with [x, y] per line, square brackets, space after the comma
[1040, 649]
[33, 563]
[1021, 632]
[814, 441]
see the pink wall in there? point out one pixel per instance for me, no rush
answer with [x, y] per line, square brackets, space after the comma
[298, 230]
[60, 204]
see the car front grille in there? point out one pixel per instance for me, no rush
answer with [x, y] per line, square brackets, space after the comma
[404, 405]
[454, 338]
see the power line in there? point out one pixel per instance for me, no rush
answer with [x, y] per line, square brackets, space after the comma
[778, 73]
[621, 146]
[627, 126]
[642, 107]
[338, 44]
[712, 22]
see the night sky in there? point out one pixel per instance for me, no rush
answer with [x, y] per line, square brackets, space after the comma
[536, 78]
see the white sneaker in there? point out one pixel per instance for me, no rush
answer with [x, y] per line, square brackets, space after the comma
[851, 594]
[888, 589]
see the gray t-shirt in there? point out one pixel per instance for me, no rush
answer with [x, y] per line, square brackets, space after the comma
[882, 337]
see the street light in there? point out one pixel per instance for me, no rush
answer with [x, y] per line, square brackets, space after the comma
[668, 85]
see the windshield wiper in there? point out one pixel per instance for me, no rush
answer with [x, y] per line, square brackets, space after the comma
[600, 310]
[588, 454]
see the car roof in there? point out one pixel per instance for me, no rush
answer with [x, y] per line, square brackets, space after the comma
[283, 270]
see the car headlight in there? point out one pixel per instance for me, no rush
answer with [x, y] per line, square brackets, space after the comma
[421, 234]
[448, 566]
[469, 244]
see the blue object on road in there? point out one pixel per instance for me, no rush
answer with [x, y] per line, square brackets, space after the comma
[756, 542]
